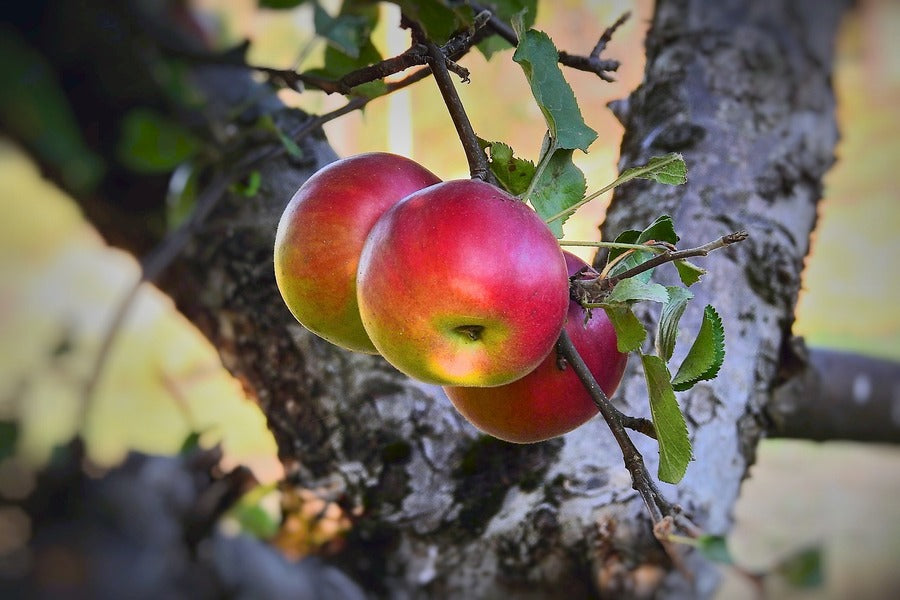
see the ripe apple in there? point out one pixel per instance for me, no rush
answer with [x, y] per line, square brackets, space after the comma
[321, 234]
[462, 284]
[548, 402]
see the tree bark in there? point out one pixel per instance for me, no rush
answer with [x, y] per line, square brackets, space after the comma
[743, 90]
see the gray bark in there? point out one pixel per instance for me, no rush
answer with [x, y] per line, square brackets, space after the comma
[743, 90]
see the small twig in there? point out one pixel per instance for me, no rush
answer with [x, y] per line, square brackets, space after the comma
[478, 164]
[591, 292]
[641, 481]
[672, 255]
[592, 63]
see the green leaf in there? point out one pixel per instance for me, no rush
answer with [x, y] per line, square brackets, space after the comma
[437, 19]
[267, 123]
[347, 32]
[152, 143]
[671, 430]
[667, 328]
[661, 230]
[9, 437]
[669, 169]
[524, 10]
[630, 332]
[338, 63]
[251, 187]
[190, 443]
[538, 58]
[252, 516]
[279, 4]
[35, 109]
[181, 195]
[803, 569]
[706, 355]
[560, 184]
[513, 173]
[689, 272]
[715, 548]
[635, 289]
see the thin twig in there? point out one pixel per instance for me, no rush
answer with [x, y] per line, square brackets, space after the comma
[592, 63]
[478, 164]
[641, 481]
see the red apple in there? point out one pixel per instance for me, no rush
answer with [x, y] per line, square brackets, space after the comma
[322, 232]
[462, 284]
[548, 402]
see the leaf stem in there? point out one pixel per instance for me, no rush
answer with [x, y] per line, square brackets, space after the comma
[628, 176]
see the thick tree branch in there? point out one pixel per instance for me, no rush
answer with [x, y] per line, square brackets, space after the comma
[833, 395]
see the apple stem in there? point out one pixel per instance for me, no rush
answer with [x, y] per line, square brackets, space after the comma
[641, 481]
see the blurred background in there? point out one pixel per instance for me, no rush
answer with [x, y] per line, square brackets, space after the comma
[59, 282]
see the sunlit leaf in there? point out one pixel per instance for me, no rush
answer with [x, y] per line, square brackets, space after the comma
[671, 429]
[560, 185]
[538, 58]
[513, 173]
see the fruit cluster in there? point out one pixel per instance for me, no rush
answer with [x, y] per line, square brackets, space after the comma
[455, 283]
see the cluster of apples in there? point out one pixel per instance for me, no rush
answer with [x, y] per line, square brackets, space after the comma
[455, 283]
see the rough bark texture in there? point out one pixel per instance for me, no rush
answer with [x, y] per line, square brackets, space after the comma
[743, 90]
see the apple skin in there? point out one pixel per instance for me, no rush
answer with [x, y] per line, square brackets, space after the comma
[548, 402]
[462, 284]
[321, 234]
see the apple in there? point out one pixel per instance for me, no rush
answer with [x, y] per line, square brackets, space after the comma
[549, 401]
[321, 234]
[462, 284]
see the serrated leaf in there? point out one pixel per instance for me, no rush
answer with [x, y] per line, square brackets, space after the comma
[348, 32]
[630, 332]
[539, 58]
[715, 548]
[706, 355]
[669, 169]
[803, 569]
[635, 289]
[560, 185]
[437, 19]
[671, 430]
[688, 272]
[667, 328]
[513, 173]
[525, 10]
